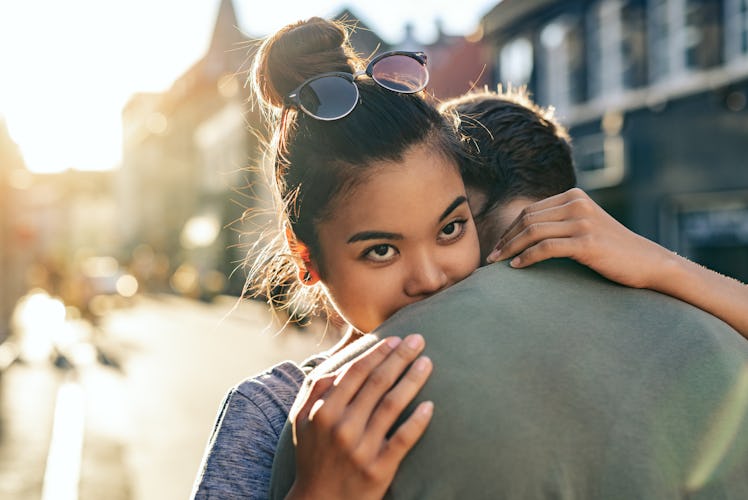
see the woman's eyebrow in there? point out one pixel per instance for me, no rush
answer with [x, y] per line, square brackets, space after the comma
[374, 235]
[458, 201]
[381, 235]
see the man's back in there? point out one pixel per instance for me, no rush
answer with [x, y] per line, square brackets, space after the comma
[551, 382]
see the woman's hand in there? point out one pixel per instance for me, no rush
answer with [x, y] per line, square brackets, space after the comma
[340, 431]
[572, 225]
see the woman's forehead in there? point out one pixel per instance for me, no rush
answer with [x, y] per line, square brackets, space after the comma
[408, 193]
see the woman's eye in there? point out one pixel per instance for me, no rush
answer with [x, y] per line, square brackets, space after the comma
[452, 231]
[380, 253]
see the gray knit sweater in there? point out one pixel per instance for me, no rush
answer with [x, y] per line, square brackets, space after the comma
[239, 456]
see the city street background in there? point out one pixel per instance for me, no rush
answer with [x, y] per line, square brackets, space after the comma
[133, 189]
[131, 407]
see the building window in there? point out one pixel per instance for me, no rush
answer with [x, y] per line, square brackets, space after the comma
[744, 25]
[634, 43]
[736, 28]
[604, 48]
[616, 41]
[684, 35]
[665, 29]
[711, 229]
[562, 79]
[703, 33]
[516, 62]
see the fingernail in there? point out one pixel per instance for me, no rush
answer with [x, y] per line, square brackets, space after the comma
[421, 364]
[514, 262]
[494, 256]
[394, 342]
[414, 341]
[426, 408]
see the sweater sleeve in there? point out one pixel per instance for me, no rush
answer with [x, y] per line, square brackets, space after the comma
[239, 455]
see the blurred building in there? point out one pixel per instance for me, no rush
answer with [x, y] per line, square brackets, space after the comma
[654, 93]
[363, 39]
[183, 152]
[12, 182]
[49, 225]
[457, 63]
[65, 221]
[192, 164]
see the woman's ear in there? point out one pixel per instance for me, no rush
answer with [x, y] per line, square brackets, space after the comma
[308, 274]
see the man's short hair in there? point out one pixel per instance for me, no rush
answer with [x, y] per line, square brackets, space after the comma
[516, 148]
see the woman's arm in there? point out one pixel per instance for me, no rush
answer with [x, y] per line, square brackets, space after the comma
[340, 430]
[239, 456]
[572, 225]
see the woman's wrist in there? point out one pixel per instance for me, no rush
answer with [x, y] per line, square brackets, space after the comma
[670, 273]
[704, 288]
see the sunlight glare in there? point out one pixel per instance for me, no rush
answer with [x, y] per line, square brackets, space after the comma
[69, 68]
[73, 68]
[37, 318]
[62, 473]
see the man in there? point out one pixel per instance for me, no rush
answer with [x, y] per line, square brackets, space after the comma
[552, 382]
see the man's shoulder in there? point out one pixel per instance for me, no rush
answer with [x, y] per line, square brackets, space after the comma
[557, 293]
[494, 288]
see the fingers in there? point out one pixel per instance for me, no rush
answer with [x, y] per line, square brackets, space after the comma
[352, 439]
[319, 387]
[540, 237]
[545, 249]
[380, 383]
[344, 407]
[300, 415]
[392, 405]
[527, 218]
[558, 200]
[349, 380]
[572, 205]
[407, 435]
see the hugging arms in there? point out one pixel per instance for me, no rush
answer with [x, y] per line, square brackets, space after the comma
[376, 218]
[568, 224]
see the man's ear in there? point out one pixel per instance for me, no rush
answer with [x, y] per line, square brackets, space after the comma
[308, 274]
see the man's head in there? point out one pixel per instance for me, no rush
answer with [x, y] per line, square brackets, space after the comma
[519, 154]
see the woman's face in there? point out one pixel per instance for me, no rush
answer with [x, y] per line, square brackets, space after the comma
[403, 234]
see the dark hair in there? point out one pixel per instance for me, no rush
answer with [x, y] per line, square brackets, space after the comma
[317, 162]
[516, 148]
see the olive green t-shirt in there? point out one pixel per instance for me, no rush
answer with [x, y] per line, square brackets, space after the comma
[552, 382]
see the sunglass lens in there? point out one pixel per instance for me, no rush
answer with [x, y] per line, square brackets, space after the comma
[329, 97]
[400, 73]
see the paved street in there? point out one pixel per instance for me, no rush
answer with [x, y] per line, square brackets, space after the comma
[142, 419]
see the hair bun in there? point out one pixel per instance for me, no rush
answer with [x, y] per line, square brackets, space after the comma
[299, 51]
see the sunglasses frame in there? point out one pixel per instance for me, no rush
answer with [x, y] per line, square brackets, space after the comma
[293, 99]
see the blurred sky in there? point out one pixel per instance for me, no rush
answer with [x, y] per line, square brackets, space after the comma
[67, 67]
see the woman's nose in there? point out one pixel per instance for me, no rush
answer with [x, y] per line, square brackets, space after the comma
[425, 278]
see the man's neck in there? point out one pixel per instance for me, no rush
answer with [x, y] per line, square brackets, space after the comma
[493, 224]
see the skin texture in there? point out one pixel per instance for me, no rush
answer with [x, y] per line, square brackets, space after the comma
[495, 222]
[572, 225]
[399, 237]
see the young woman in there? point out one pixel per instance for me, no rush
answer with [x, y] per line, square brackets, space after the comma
[375, 219]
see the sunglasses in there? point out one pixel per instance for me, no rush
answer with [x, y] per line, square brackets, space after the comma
[331, 96]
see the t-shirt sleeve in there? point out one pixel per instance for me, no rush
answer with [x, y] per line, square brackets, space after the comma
[239, 456]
